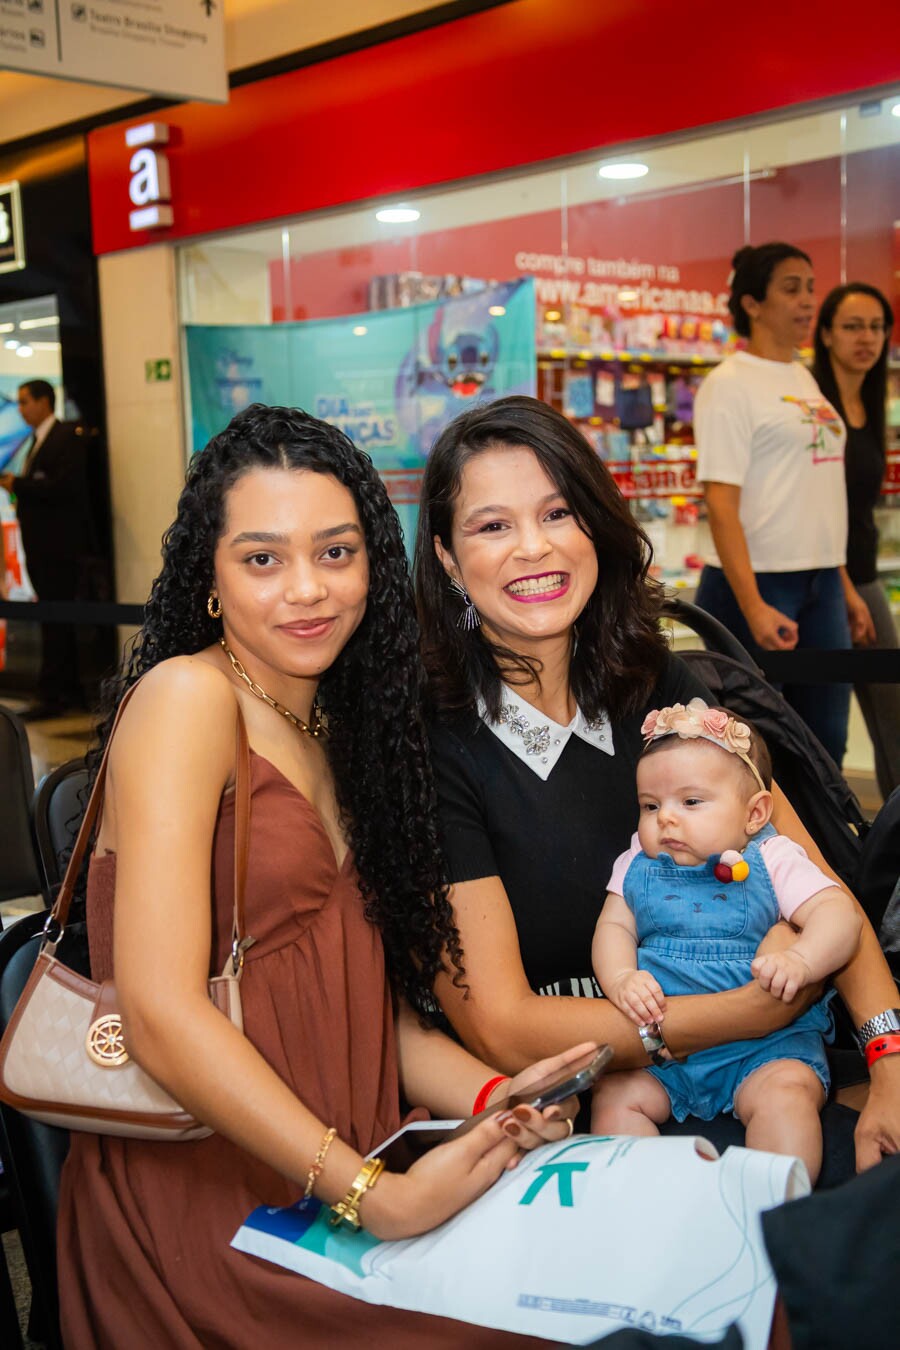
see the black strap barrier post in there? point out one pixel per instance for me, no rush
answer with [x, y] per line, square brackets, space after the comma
[72, 612]
[855, 665]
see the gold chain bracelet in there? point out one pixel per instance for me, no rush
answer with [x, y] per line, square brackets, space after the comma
[347, 1210]
[319, 1161]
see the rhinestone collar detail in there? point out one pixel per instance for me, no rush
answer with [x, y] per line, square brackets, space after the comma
[536, 739]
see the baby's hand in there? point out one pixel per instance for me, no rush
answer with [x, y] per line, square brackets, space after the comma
[781, 973]
[639, 996]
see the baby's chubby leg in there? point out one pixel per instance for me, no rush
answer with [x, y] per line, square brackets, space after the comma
[779, 1105]
[632, 1102]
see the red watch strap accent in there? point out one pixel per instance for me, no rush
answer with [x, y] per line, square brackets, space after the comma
[880, 1046]
[481, 1099]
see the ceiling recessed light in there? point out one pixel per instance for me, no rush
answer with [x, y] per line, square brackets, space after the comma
[49, 321]
[23, 349]
[7, 327]
[624, 169]
[360, 330]
[11, 344]
[497, 310]
[397, 215]
[896, 110]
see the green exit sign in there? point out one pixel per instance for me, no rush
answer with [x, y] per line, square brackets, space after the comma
[157, 371]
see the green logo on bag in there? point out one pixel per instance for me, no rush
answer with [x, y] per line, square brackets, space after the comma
[562, 1171]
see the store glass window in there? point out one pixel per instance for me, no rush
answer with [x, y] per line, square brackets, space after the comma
[598, 285]
[29, 350]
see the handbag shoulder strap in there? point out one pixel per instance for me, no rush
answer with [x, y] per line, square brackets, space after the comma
[60, 912]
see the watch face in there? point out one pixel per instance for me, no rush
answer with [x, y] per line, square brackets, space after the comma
[651, 1040]
[650, 1032]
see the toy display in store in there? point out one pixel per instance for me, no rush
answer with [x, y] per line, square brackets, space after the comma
[636, 410]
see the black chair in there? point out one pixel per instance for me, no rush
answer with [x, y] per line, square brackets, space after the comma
[59, 803]
[10, 1335]
[19, 871]
[19, 876]
[32, 1153]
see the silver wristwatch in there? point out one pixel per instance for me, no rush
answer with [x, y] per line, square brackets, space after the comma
[883, 1024]
[655, 1047]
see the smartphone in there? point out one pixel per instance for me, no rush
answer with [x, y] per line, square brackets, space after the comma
[569, 1081]
[409, 1144]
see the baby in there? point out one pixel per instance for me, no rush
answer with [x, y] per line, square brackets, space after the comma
[705, 878]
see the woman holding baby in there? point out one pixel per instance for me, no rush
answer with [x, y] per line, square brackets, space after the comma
[541, 637]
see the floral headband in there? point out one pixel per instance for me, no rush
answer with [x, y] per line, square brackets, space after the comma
[698, 720]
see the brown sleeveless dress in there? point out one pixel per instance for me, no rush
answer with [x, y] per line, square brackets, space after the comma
[144, 1228]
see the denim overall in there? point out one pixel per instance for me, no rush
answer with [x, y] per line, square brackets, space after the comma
[698, 935]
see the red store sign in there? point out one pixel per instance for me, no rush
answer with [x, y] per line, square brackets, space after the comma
[664, 478]
[479, 95]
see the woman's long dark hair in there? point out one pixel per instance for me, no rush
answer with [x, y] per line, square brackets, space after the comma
[620, 651]
[874, 386]
[377, 745]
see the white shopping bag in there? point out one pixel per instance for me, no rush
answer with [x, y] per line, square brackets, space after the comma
[583, 1238]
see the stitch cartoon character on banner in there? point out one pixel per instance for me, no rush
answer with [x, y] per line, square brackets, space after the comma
[454, 365]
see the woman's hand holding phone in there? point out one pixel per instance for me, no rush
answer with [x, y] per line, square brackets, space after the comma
[453, 1174]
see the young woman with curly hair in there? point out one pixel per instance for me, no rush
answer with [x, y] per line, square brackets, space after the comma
[540, 635]
[283, 601]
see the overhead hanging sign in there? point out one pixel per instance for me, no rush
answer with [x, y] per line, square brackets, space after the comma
[12, 233]
[174, 48]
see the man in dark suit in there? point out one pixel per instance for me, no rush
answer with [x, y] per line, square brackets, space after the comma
[54, 516]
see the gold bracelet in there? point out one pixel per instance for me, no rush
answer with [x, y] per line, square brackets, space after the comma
[319, 1161]
[347, 1210]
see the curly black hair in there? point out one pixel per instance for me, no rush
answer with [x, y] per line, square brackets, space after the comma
[377, 745]
[620, 651]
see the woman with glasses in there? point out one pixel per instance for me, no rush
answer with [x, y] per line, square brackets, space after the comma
[852, 338]
[771, 459]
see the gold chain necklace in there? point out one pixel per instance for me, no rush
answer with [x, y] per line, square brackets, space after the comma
[319, 724]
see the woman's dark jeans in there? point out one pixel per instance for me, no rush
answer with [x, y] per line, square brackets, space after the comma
[815, 601]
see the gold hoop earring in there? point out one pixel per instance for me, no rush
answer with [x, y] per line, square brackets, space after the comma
[214, 606]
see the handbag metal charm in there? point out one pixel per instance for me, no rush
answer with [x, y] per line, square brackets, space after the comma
[105, 1042]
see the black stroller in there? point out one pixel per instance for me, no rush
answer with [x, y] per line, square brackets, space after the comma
[866, 857]
[804, 771]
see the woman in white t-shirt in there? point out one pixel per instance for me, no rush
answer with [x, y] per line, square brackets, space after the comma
[771, 459]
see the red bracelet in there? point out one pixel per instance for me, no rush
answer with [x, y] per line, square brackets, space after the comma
[882, 1045]
[481, 1099]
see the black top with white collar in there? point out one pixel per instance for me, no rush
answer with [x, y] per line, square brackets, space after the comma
[548, 809]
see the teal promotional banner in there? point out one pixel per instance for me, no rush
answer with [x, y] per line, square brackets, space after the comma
[391, 379]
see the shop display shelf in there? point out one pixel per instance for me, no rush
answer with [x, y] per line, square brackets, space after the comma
[606, 354]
